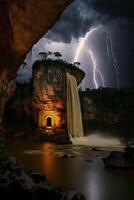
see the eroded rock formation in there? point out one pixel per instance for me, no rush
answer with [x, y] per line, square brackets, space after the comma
[121, 160]
[22, 23]
[39, 107]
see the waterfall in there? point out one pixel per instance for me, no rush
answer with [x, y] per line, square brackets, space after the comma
[74, 118]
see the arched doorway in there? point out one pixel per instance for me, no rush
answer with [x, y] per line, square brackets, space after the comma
[49, 121]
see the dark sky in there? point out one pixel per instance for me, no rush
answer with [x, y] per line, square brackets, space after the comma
[109, 17]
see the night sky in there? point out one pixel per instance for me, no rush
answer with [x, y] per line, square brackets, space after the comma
[108, 18]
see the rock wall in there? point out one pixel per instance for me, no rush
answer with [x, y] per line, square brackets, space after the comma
[108, 107]
[22, 23]
[18, 113]
[49, 96]
[44, 97]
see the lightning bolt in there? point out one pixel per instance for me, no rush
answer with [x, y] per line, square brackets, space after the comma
[83, 42]
[109, 44]
[96, 70]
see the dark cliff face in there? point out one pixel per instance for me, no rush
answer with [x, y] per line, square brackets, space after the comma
[18, 112]
[109, 108]
[22, 24]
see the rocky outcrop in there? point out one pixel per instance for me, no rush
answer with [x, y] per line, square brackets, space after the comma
[20, 107]
[16, 181]
[57, 138]
[43, 96]
[22, 24]
[78, 197]
[7, 89]
[118, 159]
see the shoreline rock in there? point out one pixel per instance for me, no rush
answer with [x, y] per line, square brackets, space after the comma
[16, 181]
[121, 160]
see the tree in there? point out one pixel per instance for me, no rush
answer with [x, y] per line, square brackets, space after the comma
[43, 55]
[57, 54]
[49, 53]
[77, 64]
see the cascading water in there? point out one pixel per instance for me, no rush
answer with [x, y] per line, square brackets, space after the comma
[74, 117]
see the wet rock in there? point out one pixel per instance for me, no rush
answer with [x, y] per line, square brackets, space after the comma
[72, 156]
[78, 197]
[2, 139]
[16, 181]
[37, 177]
[15, 190]
[67, 156]
[95, 149]
[12, 170]
[119, 160]
[49, 194]
[88, 160]
[129, 152]
[57, 138]
[64, 156]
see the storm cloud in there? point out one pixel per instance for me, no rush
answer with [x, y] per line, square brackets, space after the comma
[81, 15]
[113, 16]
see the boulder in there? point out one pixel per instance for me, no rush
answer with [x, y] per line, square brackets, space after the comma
[95, 149]
[16, 181]
[67, 156]
[118, 159]
[37, 177]
[88, 160]
[78, 196]
[57, 138]
[129, 152]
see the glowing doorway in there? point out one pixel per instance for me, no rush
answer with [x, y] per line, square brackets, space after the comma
[49, 122]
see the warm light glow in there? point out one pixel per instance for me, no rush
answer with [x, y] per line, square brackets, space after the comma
[49, 109]
[54, 115]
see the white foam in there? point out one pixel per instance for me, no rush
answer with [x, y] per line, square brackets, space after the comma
[31, 152]
[98, 141]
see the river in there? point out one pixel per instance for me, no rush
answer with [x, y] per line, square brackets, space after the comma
[82, 171]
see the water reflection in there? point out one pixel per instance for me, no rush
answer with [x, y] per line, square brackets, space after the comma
[59, 170]
[90, 178]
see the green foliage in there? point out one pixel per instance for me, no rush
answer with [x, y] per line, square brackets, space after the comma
[57, 54]
[77, 63]
[43, 55]
[50, 62]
